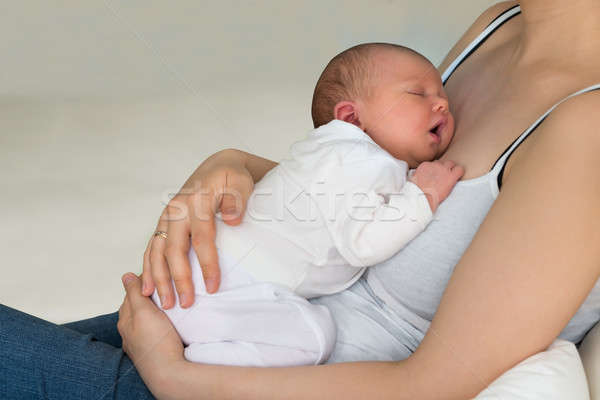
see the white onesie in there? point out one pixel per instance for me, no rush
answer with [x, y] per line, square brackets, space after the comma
[335, 205]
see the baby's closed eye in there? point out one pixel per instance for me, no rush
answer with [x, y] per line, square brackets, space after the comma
[416, 92]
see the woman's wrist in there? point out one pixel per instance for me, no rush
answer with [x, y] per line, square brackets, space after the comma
[170, 382]
[188, 380]
[255, 165]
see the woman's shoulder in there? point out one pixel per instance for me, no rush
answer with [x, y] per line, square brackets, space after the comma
[575, 119]
[582, 102]
[570, 135]
[475, 29]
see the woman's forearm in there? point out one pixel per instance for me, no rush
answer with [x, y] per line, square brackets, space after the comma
[360, 380]
[256, 166]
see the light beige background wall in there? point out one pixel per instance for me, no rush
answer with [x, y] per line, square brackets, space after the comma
[107, 106]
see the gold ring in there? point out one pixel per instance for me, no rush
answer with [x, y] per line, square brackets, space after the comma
[162, 234]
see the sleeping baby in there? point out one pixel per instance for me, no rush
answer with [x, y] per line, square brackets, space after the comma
[340, 201]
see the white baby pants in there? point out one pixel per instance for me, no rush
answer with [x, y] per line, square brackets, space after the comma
[250, 323]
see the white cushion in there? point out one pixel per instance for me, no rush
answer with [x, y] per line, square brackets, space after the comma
[590, 355]
[554, 374]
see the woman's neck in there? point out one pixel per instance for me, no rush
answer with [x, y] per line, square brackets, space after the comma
[559, 31]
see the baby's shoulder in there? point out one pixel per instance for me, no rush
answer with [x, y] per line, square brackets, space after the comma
[351, 151]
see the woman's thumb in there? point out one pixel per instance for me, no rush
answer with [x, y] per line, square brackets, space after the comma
[127, 279]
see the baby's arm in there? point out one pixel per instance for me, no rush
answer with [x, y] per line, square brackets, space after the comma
[373, 230]
[381, 211]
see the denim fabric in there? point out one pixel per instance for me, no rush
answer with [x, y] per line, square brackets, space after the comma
[79, 360]
[102, 327]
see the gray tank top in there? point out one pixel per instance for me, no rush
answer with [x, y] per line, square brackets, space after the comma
[412, 282]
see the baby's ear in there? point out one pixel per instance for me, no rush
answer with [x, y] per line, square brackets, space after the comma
[346, 111]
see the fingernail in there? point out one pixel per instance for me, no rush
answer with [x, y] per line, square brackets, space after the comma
[163, 299]
[144, 287]
[126, 279]
[230, 213]
[211, 285]
[183, 298]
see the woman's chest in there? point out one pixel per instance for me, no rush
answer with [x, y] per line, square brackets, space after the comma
[417, 275]
[493, 106]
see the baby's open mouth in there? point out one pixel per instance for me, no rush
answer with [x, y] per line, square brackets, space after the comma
[436, 130]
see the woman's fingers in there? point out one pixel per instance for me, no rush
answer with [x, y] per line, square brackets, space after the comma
[147, 281]
[133, 289]
[149, 338]
[177, 249]
[125, 311]
[234, 198]
[203, 241]
[160, 272]
[153, 253]
[124, 315]
[203, 231]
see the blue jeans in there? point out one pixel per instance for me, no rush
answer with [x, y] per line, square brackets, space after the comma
[84, 360]
[78, 360]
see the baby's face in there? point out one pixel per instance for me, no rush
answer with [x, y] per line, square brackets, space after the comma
[407, 111]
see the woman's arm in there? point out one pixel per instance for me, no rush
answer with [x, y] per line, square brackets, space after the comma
[530, 266]
[348, 381]
[532, 263]
[223, 182]
[257, 166]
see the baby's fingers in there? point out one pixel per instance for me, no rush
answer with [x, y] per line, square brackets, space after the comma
[449, 164]
[458, 171]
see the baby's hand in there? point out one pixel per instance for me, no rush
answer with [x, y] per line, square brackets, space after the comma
[436, 179]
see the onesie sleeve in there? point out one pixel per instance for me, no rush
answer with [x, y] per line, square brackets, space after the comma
[370, 209]
[373, 230]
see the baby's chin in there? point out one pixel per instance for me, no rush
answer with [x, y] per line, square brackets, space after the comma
[441, 151]
[414, 164]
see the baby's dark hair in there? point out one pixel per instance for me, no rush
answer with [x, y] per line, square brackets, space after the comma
[347, 77]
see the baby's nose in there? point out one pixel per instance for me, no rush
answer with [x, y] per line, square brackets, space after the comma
[441, 104]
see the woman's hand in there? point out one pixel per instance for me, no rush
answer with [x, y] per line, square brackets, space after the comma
[223, 182]
[149, 339]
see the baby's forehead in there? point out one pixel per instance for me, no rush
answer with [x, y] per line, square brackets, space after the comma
[402, 66]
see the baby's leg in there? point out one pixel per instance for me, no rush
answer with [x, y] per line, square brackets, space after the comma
[250, 323]
[257, 325]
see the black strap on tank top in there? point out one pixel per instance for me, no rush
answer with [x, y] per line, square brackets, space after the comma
[505, 12]
[524, 137]
[492, 27]
[501, 173]
[500, 20]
